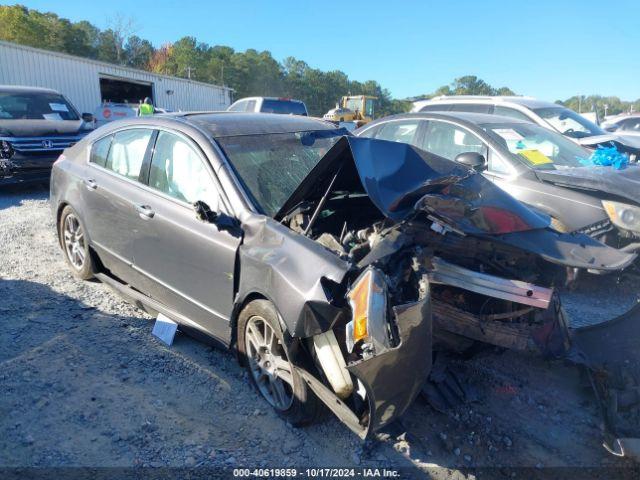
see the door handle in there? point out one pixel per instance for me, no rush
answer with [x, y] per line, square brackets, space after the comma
[90, 183]
[145, 211]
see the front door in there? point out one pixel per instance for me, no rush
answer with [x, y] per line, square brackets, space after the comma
[189, 264]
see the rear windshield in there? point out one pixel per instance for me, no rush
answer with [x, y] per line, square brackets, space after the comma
[35, 106]
[283, 106]
[272, 166]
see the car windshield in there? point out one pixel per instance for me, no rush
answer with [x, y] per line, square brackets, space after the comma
[283, 106]
[35, 106]
[272, 166]
[537, 147]
[569, 123]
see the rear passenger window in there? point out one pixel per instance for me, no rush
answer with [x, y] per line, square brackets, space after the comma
[436, 108]
[510, 112]
[100, 150]
[471, 108]
[404, 132]
[370, 132]
[449, 141]
[178, 171]
[127, 152]
[251, 106]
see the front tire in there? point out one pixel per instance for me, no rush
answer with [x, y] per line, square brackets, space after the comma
[261, 346]
[74, 242]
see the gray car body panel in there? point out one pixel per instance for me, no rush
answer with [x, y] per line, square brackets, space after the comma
[270, 266]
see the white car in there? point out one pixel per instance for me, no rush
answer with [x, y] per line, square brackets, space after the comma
[546, 114]
[287, 106]
[626, 124]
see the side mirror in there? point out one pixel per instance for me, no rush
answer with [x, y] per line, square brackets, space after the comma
[87, 117]
[611, 128]
[473, 160]
[204, 212]
[219, 219]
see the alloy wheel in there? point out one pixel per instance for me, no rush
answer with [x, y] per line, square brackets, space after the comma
[268, 362]
[74, 241]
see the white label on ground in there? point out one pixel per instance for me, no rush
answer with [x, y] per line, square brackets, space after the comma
[165, 329]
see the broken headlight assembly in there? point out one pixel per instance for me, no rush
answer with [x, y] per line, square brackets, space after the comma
[623, 215]
[369, 330]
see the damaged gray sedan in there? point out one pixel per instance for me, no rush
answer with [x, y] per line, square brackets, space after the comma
[333, 265]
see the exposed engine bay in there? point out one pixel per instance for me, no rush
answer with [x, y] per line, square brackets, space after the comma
[489, 281]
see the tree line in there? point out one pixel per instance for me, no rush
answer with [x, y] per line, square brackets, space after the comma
[249, 73]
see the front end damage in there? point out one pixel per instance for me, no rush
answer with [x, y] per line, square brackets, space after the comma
[404, 255]
[361, 345]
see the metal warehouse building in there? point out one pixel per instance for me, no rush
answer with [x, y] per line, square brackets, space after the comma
[88, 83]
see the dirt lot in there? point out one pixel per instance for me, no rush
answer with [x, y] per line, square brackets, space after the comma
[84, 382]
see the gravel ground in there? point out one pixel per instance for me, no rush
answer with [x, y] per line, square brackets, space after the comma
[84, 383]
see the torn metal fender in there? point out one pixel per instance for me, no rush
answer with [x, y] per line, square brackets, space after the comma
[302, 290]
[393, 379]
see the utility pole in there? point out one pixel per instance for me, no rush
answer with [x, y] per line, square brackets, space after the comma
[189, 70]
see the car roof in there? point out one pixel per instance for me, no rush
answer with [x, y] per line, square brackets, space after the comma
[228, 124]
[469, 117]
[528, 102]
[23, 89]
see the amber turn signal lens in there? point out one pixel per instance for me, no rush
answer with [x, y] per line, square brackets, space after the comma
[359, 300]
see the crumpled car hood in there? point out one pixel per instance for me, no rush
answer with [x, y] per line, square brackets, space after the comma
[622, 183]
[397, 176]
[402, 180]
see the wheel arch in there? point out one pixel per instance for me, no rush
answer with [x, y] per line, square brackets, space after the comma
[60, 208]
[98, 266]
[240, 305]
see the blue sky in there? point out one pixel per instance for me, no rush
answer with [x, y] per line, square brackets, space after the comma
[548, 49]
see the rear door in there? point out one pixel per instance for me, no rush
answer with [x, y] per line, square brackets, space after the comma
[112, 196]
[188, 264]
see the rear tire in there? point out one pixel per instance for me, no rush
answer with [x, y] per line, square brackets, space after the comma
[75, 245]
[263, 351]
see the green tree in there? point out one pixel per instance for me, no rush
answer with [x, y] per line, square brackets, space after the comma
[107, 48]
[137, 52]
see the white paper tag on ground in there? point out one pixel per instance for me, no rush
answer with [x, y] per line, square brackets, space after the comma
[165, 329]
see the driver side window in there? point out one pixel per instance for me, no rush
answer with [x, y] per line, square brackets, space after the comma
[178, 171]
[448, 140]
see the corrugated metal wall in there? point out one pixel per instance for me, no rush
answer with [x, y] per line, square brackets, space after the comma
[79, 80]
